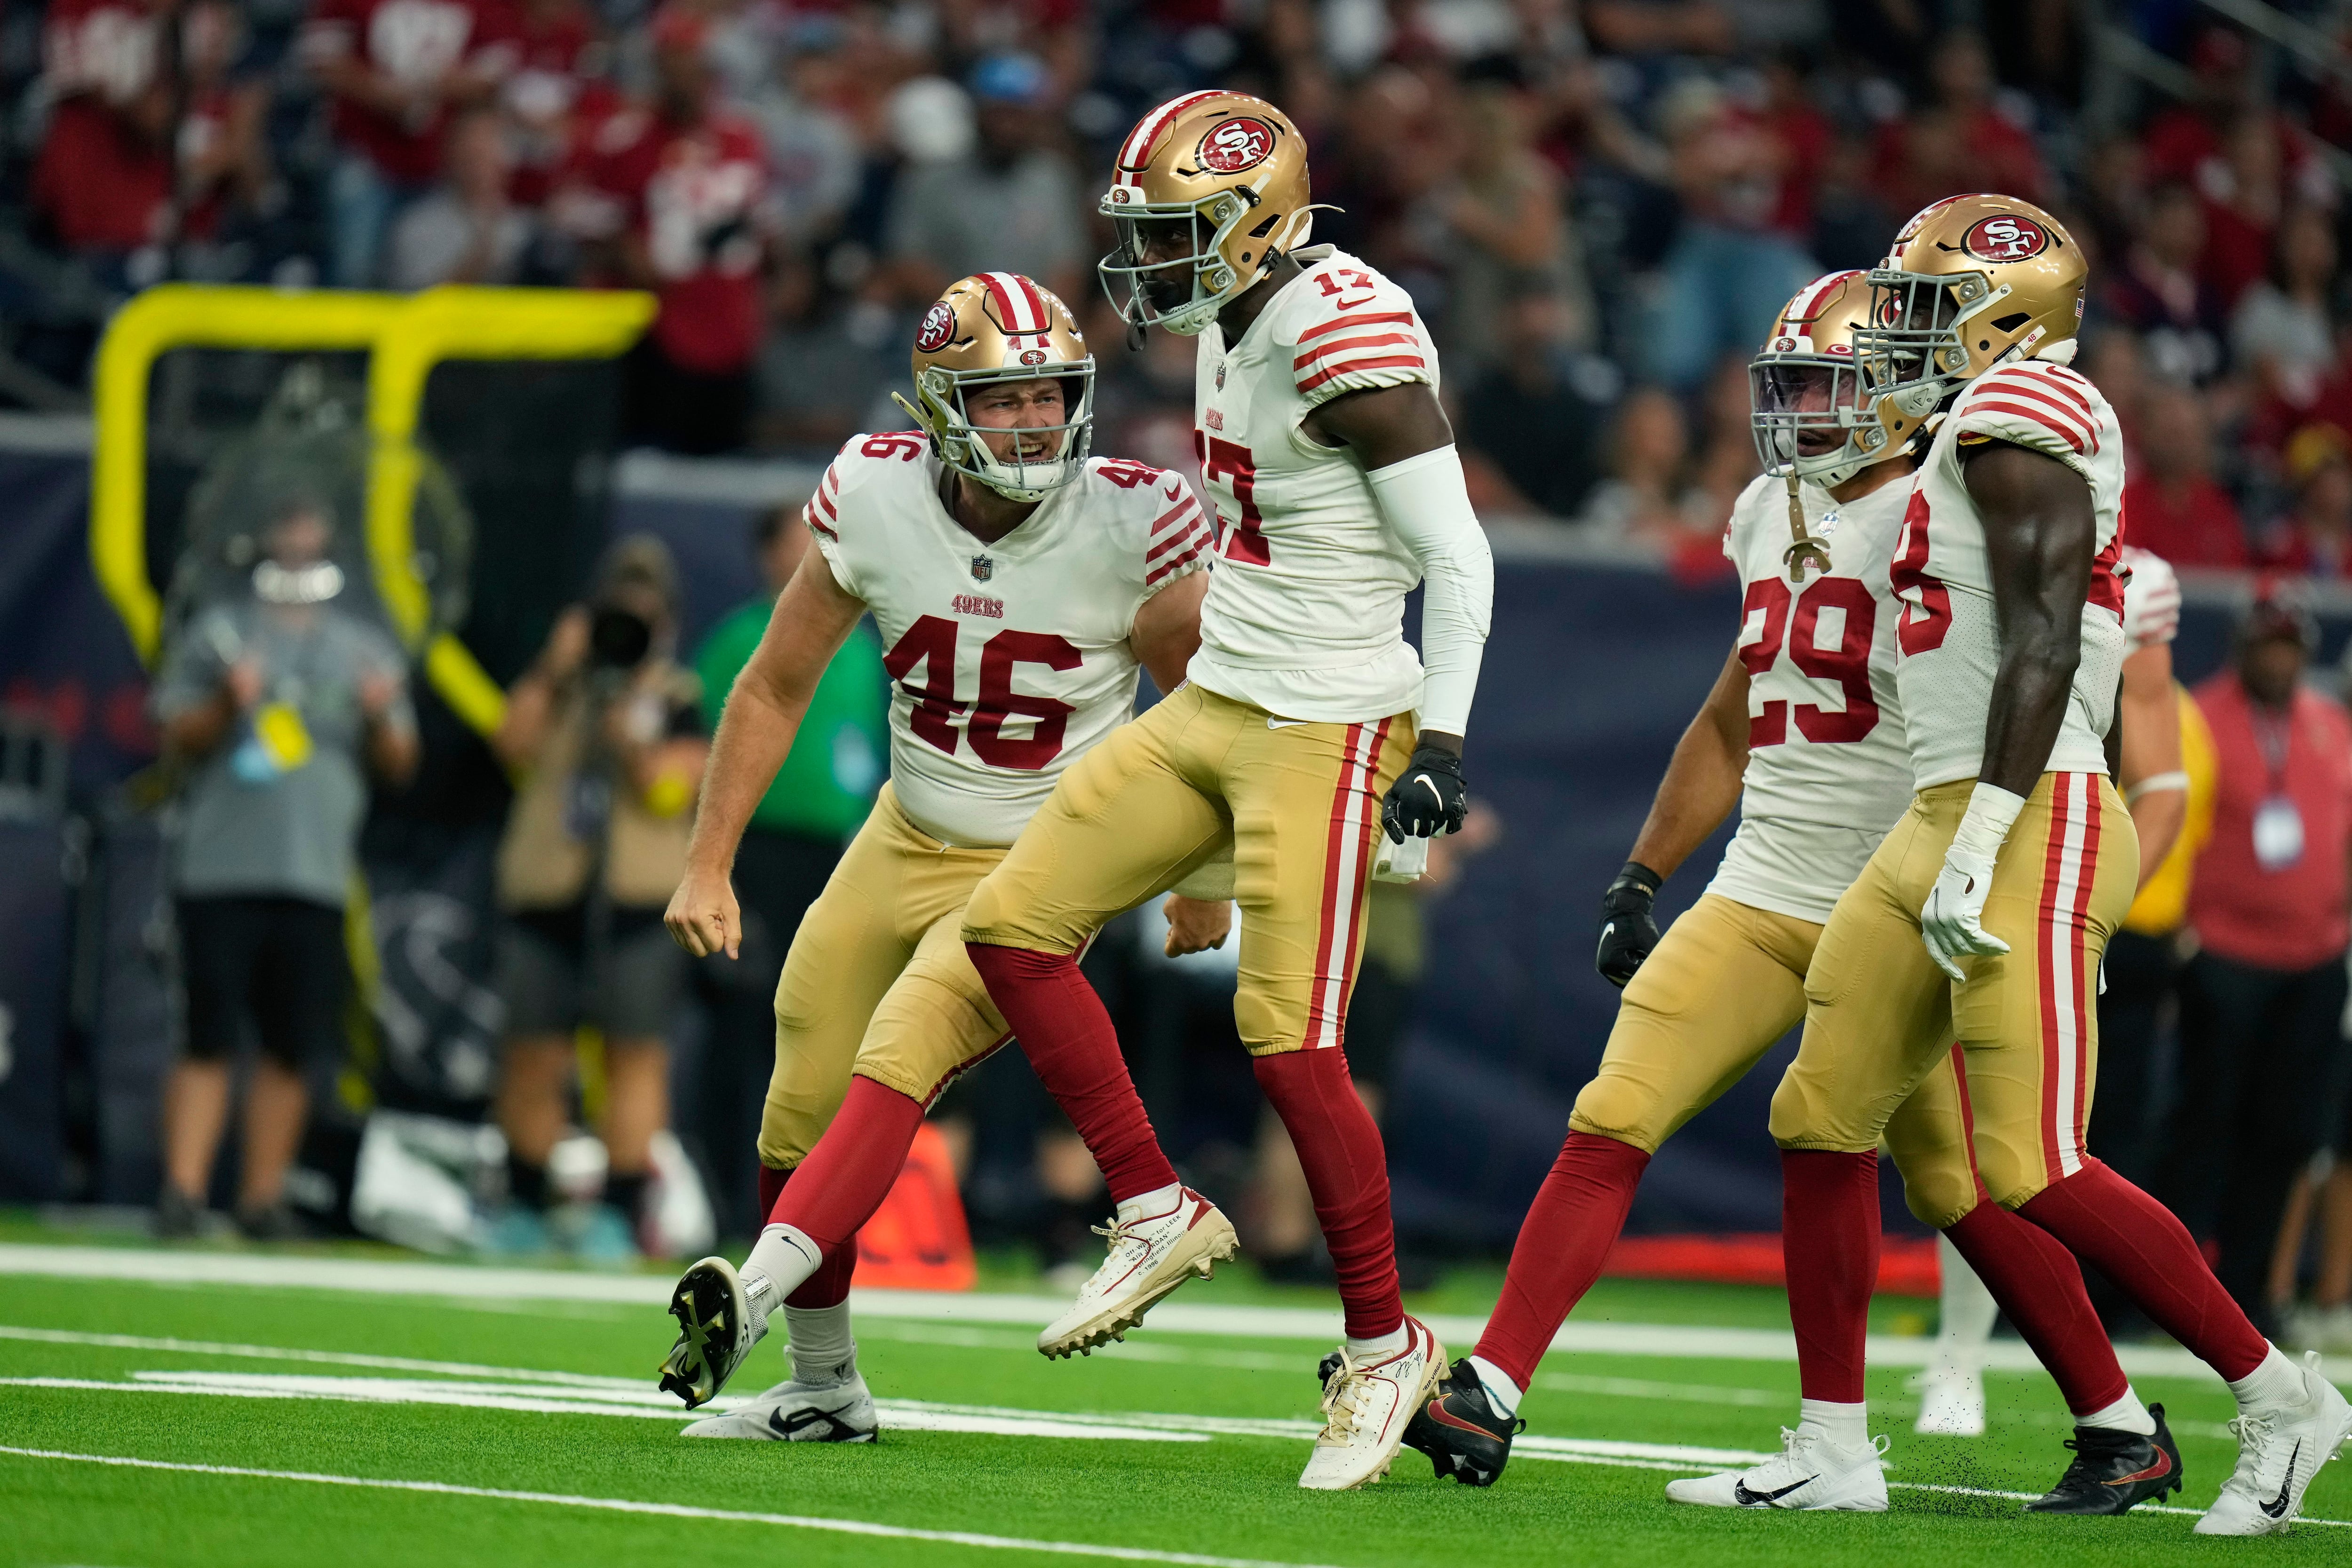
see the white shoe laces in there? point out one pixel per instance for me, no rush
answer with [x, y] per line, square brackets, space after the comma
[1125, 1246]
[2253, 1434]
[1343, 1400]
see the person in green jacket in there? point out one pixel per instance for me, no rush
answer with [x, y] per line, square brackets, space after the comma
[819, 800]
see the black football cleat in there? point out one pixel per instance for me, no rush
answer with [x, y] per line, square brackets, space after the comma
[1461, 1432]
[2113, 1470]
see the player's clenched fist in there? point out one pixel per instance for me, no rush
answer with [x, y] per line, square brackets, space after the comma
[1428, 797]
[1628, 931]
[703, 916]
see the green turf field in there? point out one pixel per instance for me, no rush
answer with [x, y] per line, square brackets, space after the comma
[524, 1429]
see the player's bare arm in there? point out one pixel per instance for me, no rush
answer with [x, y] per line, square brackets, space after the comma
[2038, 532]
[2148, 767]
[811, 619]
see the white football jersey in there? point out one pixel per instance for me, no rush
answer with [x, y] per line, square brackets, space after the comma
[1829, 771]
[1305, 615]
[1008, 659]
[1951, 642]
[2151, 599]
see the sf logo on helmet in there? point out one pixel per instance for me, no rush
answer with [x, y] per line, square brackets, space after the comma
[2007, 238]
[938, 326]
[1236, 144]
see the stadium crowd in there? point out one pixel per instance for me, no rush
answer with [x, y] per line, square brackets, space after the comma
[1597, 206]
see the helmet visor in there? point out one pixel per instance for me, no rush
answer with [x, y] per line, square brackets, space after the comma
[1804, 410]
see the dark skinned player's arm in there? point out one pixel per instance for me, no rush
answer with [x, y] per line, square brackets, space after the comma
[1384, 427]
[1702, 782]
[2038, 530]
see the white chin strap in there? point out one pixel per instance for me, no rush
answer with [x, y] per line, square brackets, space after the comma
[1191, 321]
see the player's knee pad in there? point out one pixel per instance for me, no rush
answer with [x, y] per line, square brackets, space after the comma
[2012, 1175]
[1621, 1106]
[925, 1031]
[1940, 1198]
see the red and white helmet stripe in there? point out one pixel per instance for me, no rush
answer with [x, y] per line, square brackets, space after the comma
[1018, 303]
[1136, 152]
[1808, 304]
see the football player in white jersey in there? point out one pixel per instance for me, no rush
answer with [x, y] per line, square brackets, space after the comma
[1337, 488]
[1804, 733]
[1019, 585]
[1984, 913]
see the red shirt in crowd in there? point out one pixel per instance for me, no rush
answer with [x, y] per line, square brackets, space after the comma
[102, 180]
[2293, 918]
[1914, 164]
[2195, 525]
[415, 43]
[694, 197]
[557, 92]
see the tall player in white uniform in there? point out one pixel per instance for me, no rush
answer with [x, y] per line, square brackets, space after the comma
[1337, 487]
[1805, 732]
[1019, 585]
[1984, 913]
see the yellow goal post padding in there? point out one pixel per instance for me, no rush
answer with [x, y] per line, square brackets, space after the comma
[405, 336]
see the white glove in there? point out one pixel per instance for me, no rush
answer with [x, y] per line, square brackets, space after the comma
[1952, 923]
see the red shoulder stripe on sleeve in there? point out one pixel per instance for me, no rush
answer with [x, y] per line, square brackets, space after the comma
[2044, 384]
[1391, 318]
[808, 515]
[2035, 417]
[1191, 530]
[1332, 372]
[1349, 345]
[1189, 502]
[1165, 567]
[2034, 397]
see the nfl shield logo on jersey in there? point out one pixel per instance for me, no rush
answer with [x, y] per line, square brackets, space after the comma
[982, 568]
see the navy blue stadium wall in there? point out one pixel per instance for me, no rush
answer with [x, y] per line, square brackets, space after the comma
[1591, 675]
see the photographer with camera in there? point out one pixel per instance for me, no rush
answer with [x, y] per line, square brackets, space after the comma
[604, 737]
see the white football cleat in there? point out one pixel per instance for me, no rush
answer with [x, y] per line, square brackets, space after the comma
[717, 1324]
[1809, 1471]
[1151, 1255]
[1951, 1403]
[2280, 1449]
[794, 1412]
[1367, 1408]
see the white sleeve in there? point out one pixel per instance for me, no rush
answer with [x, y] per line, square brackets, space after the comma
[1428, 505]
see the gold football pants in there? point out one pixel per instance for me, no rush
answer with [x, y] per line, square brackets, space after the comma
[878, 983]
[1725, 981]
[1879, 1012]
[1302, 802]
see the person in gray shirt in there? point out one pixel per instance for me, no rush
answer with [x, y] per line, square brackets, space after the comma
[276, 705]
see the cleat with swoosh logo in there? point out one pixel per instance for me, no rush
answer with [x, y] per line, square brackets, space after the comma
[796, 1412]
[2280, 1449]
[1458, 1428]
[2113, 1470]
[1808, 1472]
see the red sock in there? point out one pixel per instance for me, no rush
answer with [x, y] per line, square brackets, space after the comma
[1069, 1040]
[1564, 1240]
[772, 1187]
[1348, 1174]
[1829, 1244]
[2039, 1286]
[829, 1286]
[2140, 1245]
[853, 1167]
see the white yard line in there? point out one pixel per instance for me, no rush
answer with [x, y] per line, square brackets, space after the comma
[1188, 1316]
[675, 1510]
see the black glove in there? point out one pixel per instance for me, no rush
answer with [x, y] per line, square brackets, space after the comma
[1428, 796]
[1627, 932]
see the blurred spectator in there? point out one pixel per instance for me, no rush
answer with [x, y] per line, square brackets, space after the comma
[1010, 204]
[822, 373]
[104, 178]
[558, 90]
[604, 734]
[2111, 359]
[1506, 231]
[2157, 290]
[672, 195]
[466, 229]
[1964, 141]
[2243, 192]
[2175, 508]
[1728, 272]
[2316, 535]
[1530, 425]
[813, 147]
[223, 166]
[2281, 333]
[818, 800]
[395, 69]
[276, 704]
[2263, 998]
[1648, 497]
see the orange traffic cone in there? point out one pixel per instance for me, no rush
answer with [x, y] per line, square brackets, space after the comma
[917, 1239]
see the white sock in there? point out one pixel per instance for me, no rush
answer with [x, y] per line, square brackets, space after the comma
[2125, 1414]
[1848, 1425]
[784, 1257]
[822, 1350]
[2277, 1381]
[1968, 1312]
[1501, 1393]
[1159, 1200]
[1364, 1352]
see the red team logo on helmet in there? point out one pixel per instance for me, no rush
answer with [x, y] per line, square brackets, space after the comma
[2006, 238]
[1236, 144]
[938, 328]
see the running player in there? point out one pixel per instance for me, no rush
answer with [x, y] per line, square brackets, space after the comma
[1985, 912]
[1019, 583]
[1805, 732]
[1337, 486]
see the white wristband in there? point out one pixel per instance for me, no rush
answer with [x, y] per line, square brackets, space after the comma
[1992, 812]
[2157, 784]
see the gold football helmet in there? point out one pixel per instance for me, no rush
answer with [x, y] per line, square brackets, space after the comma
[996, 327]
[1971, 283]
[1232, 171]
[1813, 415]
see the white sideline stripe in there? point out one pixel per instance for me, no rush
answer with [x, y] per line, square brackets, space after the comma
[675, 1510]
[369, 1277]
